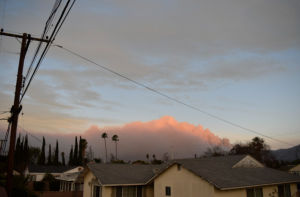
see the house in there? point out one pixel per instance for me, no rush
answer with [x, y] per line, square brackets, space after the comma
[224, 176]
[37, 173]
[295, 170]
[67, 182]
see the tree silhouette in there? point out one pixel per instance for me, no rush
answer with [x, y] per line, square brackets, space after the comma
[75, 158]
[56, 154]
[147, 157]
[49, 163]
[70, 163]
[116, 139]
[104, 136]
[42, 157]
[63, 158]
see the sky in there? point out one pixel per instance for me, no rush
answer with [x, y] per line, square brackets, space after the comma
[237, 60]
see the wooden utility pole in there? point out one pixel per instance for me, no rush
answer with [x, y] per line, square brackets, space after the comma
[15, 116]
[16, 108]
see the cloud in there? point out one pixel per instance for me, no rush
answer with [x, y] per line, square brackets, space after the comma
[138, 139]
[155, 137]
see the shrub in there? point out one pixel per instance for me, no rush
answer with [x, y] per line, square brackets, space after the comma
[38, 185]
[54, 185]
[48, 177]
[19, 187]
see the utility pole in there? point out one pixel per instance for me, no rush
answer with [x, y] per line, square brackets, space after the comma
[16, 108]
[15, 116]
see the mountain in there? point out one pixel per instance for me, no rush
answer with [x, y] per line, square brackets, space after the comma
[289, 154]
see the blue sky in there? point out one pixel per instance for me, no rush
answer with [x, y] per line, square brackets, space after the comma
[238, 60]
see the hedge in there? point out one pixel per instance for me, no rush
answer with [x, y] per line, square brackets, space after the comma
[38, 185]
[54, 185]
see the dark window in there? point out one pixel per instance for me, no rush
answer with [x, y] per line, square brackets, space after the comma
[119, 192]
[178, 167]
[284, 191]
[168, 191]
[139, 191]
[255, 192]
[96, 191]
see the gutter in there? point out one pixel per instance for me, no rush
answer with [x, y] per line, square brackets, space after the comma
[251, 186]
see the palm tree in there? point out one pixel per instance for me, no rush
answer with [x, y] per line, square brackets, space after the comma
[154, 156]
[83, 147]
[115, 138]
[147, 157]
[104, 136]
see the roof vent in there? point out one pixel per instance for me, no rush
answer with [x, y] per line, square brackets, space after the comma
[155, 170]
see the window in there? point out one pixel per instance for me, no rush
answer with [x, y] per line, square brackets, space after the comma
[96, 192]
[168, 191]
[284, 191]
[178, 167]
[129, 191]
[255, 192]
[33, 178]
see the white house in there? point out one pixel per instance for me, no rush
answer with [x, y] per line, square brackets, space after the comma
[37, 173]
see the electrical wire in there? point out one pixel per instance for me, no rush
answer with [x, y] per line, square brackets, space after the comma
[46, 144]
[171, 98]
[58, 25]
[43, 36]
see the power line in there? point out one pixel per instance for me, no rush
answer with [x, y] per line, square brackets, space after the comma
[46, 144]
[171, 98]
[58, 25]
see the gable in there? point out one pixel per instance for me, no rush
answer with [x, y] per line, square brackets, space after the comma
[248, 162]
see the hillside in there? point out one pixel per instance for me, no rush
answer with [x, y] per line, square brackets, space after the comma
[289, 154]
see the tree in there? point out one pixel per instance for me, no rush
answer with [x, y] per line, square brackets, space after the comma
[139, 162]
[214, 152]
[34, 153]
[21, 157]
[153, 156]
[98, 160]
[258, 149]
[166, 157]
[56, 154]
[70, 163]
[147, 157]
[75, 157]
[80, 153]
[42, 157]
[63, 158]
[115, 138]
[90, 154]
[104, 136]
[49, 163]
[112, 158]
[17, 155]
[25, 153]
[83, 144]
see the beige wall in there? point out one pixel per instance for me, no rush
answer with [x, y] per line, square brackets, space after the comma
[242, 192]
[231, 193]
[86, 187]
[296, 168]
[149, 191]
[182, 183]
[106, 191]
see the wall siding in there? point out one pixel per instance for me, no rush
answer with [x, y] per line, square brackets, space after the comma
[182, 183]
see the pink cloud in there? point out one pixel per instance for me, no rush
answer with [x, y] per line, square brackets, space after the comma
[139, 138]
[155, 137]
